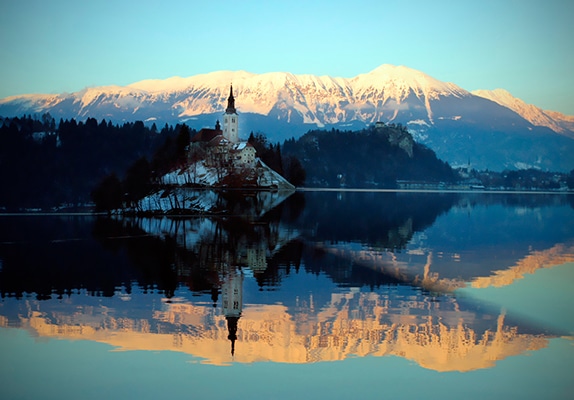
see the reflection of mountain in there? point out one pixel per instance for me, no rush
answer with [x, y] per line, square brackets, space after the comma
[482, 238]
[395, 268]
[334, 276]
[436, 335]
[559, 254]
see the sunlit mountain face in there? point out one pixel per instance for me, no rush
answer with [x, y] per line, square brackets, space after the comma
[490, 129]
[322, 276]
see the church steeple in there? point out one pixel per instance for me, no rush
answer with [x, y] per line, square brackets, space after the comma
[232, 330]
[231, 119]
[230, 102]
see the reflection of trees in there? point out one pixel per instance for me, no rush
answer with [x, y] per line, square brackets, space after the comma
[201, 250]
[54, 256]
[381, 219]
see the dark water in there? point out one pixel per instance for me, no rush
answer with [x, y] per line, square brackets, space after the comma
[326, 294]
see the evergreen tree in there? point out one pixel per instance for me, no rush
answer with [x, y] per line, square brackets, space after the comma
[107, 195]
[182, 144]
[570, 180]
[137, 183]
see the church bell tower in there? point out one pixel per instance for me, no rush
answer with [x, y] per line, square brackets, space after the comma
[232, 293]
[230, 120]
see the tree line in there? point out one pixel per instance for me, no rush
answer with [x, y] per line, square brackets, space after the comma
[48, 164]
[45, 163]
[287, 165]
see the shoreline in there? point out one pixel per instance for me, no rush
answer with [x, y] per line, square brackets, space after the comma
[312, 189]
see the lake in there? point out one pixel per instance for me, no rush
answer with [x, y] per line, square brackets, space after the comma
[319, 294]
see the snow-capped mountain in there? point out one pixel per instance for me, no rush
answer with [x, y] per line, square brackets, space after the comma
[556, 121]
[490, 129]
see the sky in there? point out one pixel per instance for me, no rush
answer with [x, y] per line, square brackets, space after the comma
[523, 46]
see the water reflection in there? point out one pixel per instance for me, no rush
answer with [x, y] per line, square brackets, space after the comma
[320, 277]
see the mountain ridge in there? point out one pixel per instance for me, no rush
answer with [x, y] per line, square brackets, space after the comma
[537, 116]
[398, 80]
[283, 105]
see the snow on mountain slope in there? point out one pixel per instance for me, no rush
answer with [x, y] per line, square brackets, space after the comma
[309, 99]
[531, 113]
[565, 121]
[389, 83]
[27, 103]
[382, 94]
[487, 126]
[398, 81]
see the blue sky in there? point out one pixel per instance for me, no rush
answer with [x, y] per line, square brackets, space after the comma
[526, 47]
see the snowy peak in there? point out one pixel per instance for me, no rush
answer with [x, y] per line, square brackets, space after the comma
[309, 99]
[448, 119]
[557, 122]
[388, 94]
[398, 81]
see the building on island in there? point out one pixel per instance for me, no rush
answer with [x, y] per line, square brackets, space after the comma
[223, 145]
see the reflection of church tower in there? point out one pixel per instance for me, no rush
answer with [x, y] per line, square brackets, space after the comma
[230, 120]
[257, 259]
[232, 294]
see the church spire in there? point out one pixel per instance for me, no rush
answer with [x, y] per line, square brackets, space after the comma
[232, 330]
[231, 119]
[230, 102]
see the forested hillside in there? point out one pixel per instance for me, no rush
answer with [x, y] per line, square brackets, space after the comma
[374, 157]
[44, 163]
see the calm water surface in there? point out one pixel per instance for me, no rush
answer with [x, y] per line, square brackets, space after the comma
[323, 295]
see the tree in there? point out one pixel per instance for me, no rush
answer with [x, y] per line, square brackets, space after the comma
[570, 180]
[294, 171]
[138, 181]
[259, 141]
[182, 144]
[107, 195]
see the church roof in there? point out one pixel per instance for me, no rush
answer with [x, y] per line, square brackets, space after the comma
[237, 147]
[218, 140]
[206, 135]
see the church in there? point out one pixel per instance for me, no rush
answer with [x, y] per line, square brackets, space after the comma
[223, 145]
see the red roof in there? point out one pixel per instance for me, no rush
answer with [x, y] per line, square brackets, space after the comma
[206, 135]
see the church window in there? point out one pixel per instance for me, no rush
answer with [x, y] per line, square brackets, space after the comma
[236, 305]
[233, 120]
